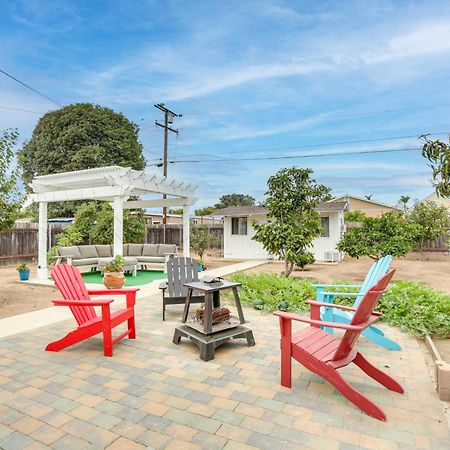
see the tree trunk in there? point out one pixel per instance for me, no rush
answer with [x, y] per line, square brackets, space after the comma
[288, 267]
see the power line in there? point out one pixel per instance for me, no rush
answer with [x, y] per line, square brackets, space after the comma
[271, 158]
[29, 87]
[356, 141]
[20, 109]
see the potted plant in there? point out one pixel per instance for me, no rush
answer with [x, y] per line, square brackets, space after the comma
[200, 265]
[24, 271]
[113, 274]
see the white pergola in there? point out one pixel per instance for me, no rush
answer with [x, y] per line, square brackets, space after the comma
[111, 184]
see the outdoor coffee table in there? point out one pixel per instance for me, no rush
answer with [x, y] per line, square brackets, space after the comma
[208, 336]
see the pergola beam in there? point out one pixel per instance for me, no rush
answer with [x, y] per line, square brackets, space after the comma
[93, 193]
[154, 203]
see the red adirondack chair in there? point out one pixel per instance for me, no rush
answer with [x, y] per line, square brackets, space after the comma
[77, 298]
[323, 353]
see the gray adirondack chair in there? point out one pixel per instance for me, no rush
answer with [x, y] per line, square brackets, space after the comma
[179, 271]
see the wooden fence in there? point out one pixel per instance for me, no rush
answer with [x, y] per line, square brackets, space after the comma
[21, 244]
[173, 234]
[18, 245]
[438, 245]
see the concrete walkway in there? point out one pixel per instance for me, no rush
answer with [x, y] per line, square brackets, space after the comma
[44, 317]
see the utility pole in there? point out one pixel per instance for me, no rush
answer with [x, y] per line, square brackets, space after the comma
[168, 120]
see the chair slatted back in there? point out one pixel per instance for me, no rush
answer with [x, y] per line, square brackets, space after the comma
[378, 269]
[70, 283]
[362, 315]
[179, 271]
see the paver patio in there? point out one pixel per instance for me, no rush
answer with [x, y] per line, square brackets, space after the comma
[155, 394]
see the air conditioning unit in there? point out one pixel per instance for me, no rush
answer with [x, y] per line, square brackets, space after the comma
[332, 256]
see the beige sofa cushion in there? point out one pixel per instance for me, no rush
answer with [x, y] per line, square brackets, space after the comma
[134, 249]
[85, 262]
[150, 250]
[125, 250]
[69, 251]
[166, 248]
[104, 251]
[151, 259]
[88, 251]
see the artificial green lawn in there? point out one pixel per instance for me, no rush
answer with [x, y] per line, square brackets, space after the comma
[414, 307]
[142, 277]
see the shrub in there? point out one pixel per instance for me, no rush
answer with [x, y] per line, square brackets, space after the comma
[413, 307]
[273, 289]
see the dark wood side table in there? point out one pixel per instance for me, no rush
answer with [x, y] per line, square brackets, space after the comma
[208, 336]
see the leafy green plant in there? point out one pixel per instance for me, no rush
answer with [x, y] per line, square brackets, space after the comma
[304, 259]
[433, 221]
[354, 216]
[22, 267]
[293, 224]
[413, 307]
[272, 289]
[10, 200]
[389, 234]
[234, 200]
[116, 265]
[438, 155]
[201, 240]
[416, 308]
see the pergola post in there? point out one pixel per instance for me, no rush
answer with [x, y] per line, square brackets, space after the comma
[42, 272]
[186, 223]
[118, 226]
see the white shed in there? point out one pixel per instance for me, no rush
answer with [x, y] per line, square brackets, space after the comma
[238, 232]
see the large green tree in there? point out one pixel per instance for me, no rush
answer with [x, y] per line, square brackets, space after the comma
[10, 199]
[438, 155]
[204, 211]
[235, 200]
[433, 220]
[94, 224]
[390, 234]
[76, 137]
[293, 223]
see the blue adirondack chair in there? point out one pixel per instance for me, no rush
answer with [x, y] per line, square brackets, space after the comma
[326, 293]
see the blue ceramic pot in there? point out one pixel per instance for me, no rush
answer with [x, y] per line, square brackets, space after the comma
[24, 275]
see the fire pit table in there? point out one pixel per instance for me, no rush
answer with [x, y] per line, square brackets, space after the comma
[206, 335]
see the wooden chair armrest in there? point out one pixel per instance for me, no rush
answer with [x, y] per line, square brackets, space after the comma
[337, 285]
[317, 323]
[122, 291]
[129, 292]
[343, 294]
[99, 302]
[313, 303]
[164, 285]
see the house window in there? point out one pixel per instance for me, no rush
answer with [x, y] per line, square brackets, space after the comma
[325, 221]
[239, 225]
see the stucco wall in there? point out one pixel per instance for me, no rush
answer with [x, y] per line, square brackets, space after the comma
[328, 244]
[243, 247]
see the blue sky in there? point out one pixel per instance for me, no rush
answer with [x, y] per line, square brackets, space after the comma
[253, 78]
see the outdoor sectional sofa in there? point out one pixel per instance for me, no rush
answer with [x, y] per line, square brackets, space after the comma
[92, 255]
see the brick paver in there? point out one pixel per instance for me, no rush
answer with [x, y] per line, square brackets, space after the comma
[155, 394]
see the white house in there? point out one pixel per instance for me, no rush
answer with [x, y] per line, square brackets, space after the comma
[238, 232]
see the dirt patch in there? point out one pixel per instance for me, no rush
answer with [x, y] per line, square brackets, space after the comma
[433, 273]
[18, 298]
